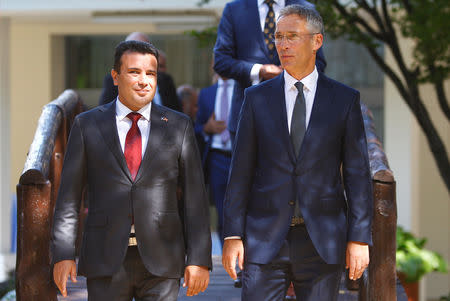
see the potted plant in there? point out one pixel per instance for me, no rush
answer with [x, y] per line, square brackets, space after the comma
[414, 261]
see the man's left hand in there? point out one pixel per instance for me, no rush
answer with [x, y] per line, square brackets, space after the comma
[196, 279]
[356, 259]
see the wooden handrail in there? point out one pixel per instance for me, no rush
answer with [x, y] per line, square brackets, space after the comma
[379, 282]
[36, 195]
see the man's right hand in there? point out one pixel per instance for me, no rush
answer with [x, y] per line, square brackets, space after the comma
[213, 126]
[232, 249]
[269, 71]
[61, 271]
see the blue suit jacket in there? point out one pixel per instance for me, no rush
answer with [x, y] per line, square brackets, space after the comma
[240, 44]
[266, 177]
[206, 104]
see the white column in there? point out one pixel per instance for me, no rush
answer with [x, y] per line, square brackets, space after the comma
[6, 259]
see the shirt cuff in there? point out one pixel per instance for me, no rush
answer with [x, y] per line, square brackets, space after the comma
[232, 237]
[254, 74]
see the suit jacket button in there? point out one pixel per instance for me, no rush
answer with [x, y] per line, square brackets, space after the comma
[292, 203]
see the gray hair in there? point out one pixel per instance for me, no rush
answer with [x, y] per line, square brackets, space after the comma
[314, 21]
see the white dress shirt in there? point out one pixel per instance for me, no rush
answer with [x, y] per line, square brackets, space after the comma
[263, 11]
[217, 138]
[290, 93]
[124, 123]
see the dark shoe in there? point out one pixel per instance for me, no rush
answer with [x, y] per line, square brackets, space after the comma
[238, 281]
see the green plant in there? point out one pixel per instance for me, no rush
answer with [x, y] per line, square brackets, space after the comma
[7, 285]
[413, 260]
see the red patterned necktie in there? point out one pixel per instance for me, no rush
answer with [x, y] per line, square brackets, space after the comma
[133, 145]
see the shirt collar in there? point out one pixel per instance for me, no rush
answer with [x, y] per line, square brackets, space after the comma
[122, 111]
[309, 82]
[277, 2]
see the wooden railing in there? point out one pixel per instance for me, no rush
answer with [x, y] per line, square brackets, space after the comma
[379, 281]
[36, 195]
[38, 186]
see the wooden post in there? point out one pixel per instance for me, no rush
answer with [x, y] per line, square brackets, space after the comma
[382, 270]
[34, 280]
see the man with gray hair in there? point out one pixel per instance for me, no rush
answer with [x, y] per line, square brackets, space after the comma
[298, 205]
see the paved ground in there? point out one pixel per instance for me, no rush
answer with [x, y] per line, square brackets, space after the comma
[220, 288]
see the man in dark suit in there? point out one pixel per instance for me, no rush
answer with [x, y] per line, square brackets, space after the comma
[244, 49]
[131, 155]
[166, 94]
[300, 144]
[213, 107]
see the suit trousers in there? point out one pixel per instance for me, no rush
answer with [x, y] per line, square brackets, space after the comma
[299, 262]
[219, 165]
[133, 281]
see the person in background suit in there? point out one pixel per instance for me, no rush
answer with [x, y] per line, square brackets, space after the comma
[131, 155]
[165, 93]
[189, 100]
[214, 105]
[162, 64]
[244, 49]
[298, 205]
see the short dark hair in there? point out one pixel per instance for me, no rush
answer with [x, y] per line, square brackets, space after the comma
[133, 46]
[314, 22]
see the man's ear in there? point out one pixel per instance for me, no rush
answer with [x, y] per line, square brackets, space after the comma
[114, 75]
[317, 41]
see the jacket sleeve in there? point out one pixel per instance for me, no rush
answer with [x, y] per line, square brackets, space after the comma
[195, 206]
[226, 62]
[243, 166]
[357, 177]
[73, 179]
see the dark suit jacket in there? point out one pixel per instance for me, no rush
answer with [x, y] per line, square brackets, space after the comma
[240, 44]
[206, 104]
[266, 178]
[170, 233]
[166, 88]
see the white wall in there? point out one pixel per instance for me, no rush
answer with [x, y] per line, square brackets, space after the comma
[31, 6]
[5, 192]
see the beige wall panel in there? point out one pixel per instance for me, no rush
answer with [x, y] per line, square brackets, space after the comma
[30, 89]
[433, 197]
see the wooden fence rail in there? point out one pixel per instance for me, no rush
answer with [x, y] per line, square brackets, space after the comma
[38, 186]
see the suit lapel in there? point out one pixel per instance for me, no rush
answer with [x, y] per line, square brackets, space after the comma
[158, 130]
[318, 114]
[277, 104]
[108, 127]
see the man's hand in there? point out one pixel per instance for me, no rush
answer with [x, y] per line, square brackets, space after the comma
[213, 126]
[61, 272]
[232, 249]
[196, 278]
[356, 259]
[269, 71]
